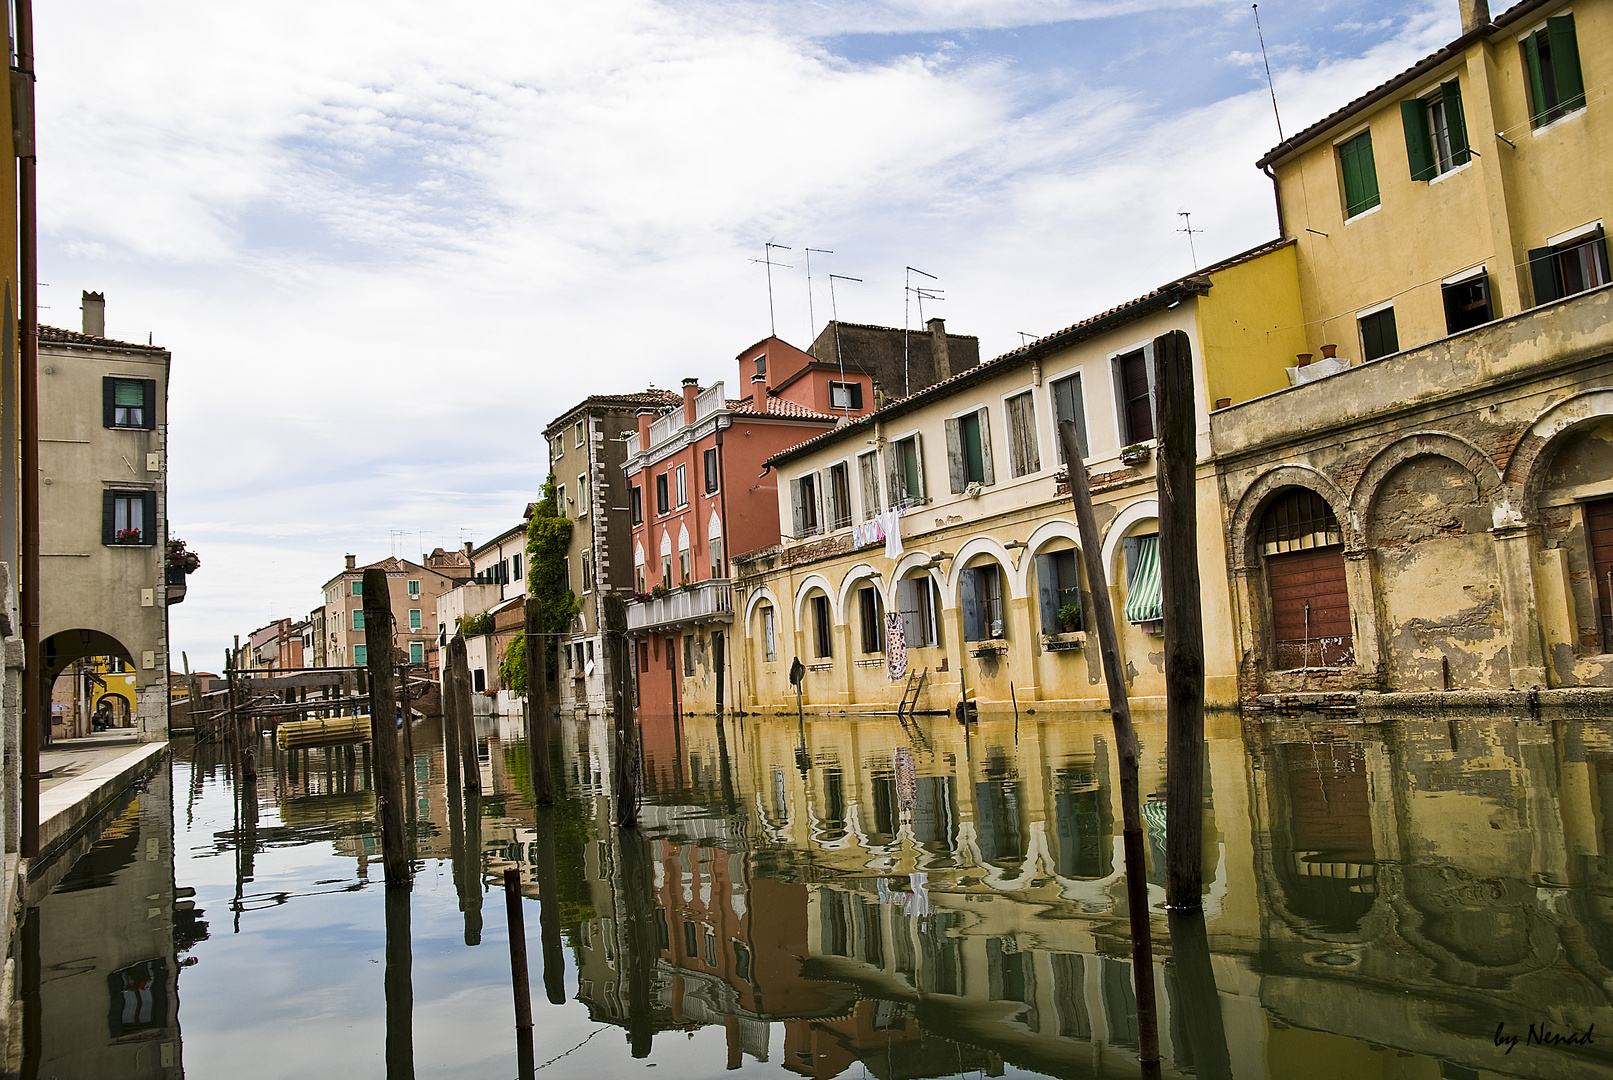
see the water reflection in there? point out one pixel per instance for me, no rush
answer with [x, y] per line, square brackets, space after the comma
[913, 898]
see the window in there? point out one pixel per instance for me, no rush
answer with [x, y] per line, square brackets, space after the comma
[577, 433]
[639, 582]
[969, 450]
[1378, 337]
[1436, 133]
[560, 504]
[839, 496]
[709, 458]
[1145, 601]
[741, 960]
[761, 364]
[688, 655]
[804, 501]
[515, 561]
[1467, 302]
[1551, 56]
[129, 403]
[1068, 404]
[414, 589]
[479, 680]
[417, 652]
[414, 618]
[635, 501]
[1023, 454]
[666, 568]
[685, 565]
[822, 627]
[905, 461]
[871, 614]
[915, 597]
[361, 655]
[358, 618]
[662, 503]
[1569, 265]
[1134, 377]
[582, 495]
[1058, 586]
[358, 587]
[983, 616]
[587, 573]
[714, 546]
[683, 486]
[129, 517]
[1359, 175]
[868, 475]
[769, 634]
[845, 395]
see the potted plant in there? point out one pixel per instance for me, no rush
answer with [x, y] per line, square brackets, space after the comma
[1135, 454]
[1069, 617]
[127, 536]
[180, 562]
[686, 585]
[658, 590]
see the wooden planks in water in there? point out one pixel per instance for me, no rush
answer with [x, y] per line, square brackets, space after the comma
[327, 731]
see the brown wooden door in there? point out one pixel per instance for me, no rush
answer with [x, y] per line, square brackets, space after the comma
[1599, 531]
[1310, 608]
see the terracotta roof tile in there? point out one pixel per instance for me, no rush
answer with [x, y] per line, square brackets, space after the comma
[56, 336]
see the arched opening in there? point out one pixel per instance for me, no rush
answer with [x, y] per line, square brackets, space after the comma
[983, 600]
[1059, 605]
[1302, 547]
[90, 682]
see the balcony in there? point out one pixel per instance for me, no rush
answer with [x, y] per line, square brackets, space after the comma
[710, 601]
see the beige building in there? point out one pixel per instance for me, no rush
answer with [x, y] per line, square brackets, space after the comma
[414, 588]
[103, 419]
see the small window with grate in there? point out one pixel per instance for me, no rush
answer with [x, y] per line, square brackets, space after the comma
[1298, 519]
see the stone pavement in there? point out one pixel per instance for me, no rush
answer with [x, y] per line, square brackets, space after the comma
[79, 777]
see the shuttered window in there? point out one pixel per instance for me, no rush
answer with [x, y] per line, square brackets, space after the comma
[969, 451]
[1556, 84]
[1436, 132]
[128, 403]
[822, 626]
[915, 596]
[1378, 334]
[358, 618]
[1058, 585]
[1467, 302]
[871, 615]
[984, 617]
[129, 518]
[839, 493]
[868, 476]
[1359, 174]
[361, 655]
[414, 619]
[417, 652]
[1145, 600]
[1570, 267]
[1068, 404]
[905, 462]
[804, 505]
[1134, 375]
[769, 634]
[1023, 454]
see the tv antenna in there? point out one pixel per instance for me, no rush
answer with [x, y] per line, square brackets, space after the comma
[1269, 84]
[1025, 337]
[767, 259]
[834, 313]
[1187, 227]
[907, 298]
[812, 324]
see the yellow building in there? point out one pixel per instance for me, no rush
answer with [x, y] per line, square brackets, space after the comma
[988, 557]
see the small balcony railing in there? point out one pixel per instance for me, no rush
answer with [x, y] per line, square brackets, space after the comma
[702, 602]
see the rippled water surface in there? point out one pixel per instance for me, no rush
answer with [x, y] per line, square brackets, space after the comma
[849, 896]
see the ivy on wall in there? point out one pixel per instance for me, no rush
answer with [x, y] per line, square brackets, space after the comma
[548, 539]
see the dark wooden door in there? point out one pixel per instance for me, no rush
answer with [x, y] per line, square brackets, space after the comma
[1310, 608]
[1599, 531]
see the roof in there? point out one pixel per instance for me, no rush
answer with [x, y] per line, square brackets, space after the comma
[1393, 86]
[56, 336]
[650, 398]
[888, 329]
[1194, 284]
[391, 564]
[780, 407]
[512, 531]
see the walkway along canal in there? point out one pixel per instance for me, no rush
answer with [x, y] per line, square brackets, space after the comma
[851, 896]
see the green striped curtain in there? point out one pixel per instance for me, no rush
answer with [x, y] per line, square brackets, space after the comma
[1145, 602]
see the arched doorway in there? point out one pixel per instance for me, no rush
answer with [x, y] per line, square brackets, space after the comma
[1302, 549]
[86, 674]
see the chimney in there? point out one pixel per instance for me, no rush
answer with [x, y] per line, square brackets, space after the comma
[468, 543]
[1475, 14]
[691, 387]
[95, 314]
[758, 380]
[352, 563]
[644, 418]
[938, 348]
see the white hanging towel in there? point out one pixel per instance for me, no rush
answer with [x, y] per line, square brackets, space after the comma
[893, 535]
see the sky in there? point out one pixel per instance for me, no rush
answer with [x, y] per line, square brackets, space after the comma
[388, 244]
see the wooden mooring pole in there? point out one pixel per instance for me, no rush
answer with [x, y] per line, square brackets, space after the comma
[384, 726]
[399, 981]
[537, 704]
[1184, 621]
[459, 664]
[618, 650]
[450, 727]
[1126, 749]
[519, 976]
[543, 869]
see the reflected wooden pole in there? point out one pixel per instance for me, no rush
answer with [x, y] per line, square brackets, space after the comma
[627, 742]
[470, 867]
[384, 726]
[399, 985]
[537, 704]
[1126, 750]
[1184, 621]
[519, 976]
[1200, 1004]
[643, 949]
[554, 960]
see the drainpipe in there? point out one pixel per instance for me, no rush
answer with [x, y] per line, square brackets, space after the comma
[1277, 196]
[727, 571]
[28, 325]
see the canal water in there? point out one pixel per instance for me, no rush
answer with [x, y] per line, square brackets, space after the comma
[850, 896]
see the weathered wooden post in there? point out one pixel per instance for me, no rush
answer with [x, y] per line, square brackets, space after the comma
[554, 959]
[643, 951]
[627, 764]
[470, 867]
[384, 726]
[458, 660]
[1126, 749]
[399, 979]
[1199, 1005]
[537, 704]
[1184, 620]
[406, 738]
[450, 728]
[519, 976]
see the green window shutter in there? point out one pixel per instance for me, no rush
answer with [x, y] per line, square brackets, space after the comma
[1456, 121]
[148, 395]
[1047, 594]
[148, 531]
[1537, 85]
[1145, 600]
[361, 655]
[1544, 275]
[1419, 145]
[107, 529]
[109, 390]
[417, 652]
[1565, 62]
[1369, 175]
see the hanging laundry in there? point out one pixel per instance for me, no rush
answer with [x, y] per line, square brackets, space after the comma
[907, 782]
[893, 534]
[895, 646]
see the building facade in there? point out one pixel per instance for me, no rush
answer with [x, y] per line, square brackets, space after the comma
[415, 590]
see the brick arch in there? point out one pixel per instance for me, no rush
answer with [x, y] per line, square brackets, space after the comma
[1526, 469]
[1245, 519]
[1425, 444]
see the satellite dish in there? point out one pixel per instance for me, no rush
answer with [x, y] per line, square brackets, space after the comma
[797, 672]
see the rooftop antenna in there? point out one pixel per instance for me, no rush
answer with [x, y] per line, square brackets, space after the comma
[767, 258]
[834, 313]
[397, 540]
[1269, 84]
[812, 322]
[907, 297]
[1025, 337]
[1187, 227]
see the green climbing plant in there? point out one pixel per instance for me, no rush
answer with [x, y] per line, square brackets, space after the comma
[548, 539]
